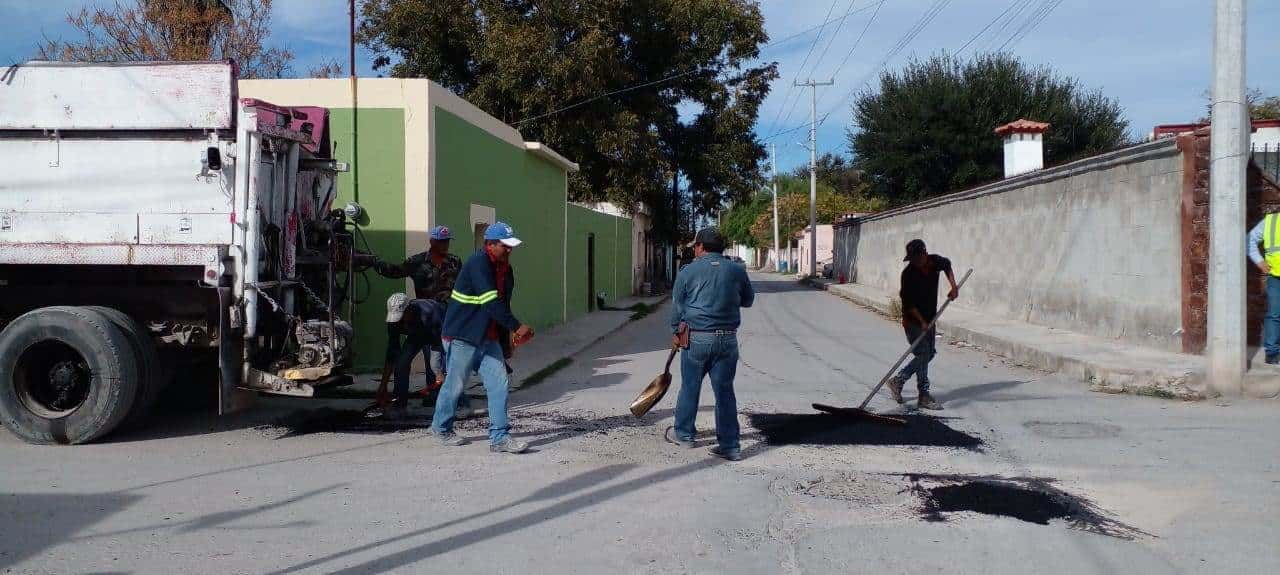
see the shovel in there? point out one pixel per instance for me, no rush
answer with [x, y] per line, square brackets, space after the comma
[653, 392]
[861, 412]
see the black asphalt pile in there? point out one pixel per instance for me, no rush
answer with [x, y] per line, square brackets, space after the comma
[826, 429]
[1034, 500]
[328, 420]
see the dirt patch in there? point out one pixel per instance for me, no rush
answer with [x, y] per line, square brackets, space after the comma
[1034, 500]
[825, 429]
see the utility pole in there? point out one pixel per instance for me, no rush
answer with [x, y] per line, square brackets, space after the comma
[355, 104]
[773, 158]
[813, 170]
[1228, 144]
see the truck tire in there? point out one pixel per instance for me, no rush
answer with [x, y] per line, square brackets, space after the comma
[147, 358]
[67, 376]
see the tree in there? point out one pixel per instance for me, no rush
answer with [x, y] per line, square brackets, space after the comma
[737, 222]
[329, 69]
[835, 171]
[928, 129]
[145, 30]
[1261, 106]
[600, 81]
[793, 209]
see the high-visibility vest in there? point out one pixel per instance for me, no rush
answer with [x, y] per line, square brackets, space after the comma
[1271, 242]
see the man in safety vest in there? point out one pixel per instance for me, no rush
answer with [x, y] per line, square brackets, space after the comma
[479, 316]
[1267, 233]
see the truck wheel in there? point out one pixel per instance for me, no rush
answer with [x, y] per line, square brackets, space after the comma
[146, 357]
[67, 375]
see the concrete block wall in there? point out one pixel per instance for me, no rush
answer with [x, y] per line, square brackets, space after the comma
[1093, 246]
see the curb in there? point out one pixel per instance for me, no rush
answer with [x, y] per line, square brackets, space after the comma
[1104, 378]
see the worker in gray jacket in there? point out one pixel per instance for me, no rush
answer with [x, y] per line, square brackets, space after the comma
[707, 301]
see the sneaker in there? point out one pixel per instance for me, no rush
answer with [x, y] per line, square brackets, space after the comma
[896, 384]
[1273, 359]
[731, 455]
[927, 401]
[509, 445]
[449, 438]
[671, 437]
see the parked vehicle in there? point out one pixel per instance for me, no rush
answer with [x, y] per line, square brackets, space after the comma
[155, 229]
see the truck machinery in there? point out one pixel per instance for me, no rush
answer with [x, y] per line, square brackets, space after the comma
[156, 228]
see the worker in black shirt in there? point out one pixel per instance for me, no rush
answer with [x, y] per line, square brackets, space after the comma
[919, 296]
[419, 320]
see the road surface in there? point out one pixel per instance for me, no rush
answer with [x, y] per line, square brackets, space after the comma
[1024, 471]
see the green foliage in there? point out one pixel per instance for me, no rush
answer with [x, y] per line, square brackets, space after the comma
[1261, 106]
[928, 129]
[793, 209]
[736, 223]
[835, 171]
[521, 59]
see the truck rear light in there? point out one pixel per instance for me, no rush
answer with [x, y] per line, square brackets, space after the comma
[210, 274]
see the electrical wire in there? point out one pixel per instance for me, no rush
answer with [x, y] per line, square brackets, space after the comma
[988, 26]
[791, 89]
[1023, 32]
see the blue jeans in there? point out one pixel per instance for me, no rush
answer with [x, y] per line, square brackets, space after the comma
[715, 355]
[460, 359]
[1271, 324]
[919, 365]
[404, 364]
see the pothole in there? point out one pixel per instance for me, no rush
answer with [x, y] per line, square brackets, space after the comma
[826, 429]
[1033, 500]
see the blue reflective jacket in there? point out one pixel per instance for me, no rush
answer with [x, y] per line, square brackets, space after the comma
[708, 294]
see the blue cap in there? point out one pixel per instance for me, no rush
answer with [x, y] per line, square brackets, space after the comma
[501, 232]
[441, 233]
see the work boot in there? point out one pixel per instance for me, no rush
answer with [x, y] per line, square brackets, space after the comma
[896, 384]
[927, 401]
[730, 455]
[509, 445]
[1273, 359]
[671, 437]
[448, 438]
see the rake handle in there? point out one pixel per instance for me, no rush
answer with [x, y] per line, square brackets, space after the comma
[917, 341]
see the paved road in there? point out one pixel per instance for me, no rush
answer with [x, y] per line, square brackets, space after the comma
[1147, 485]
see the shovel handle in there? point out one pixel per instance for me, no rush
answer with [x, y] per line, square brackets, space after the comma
[670, 357]
[912, 348]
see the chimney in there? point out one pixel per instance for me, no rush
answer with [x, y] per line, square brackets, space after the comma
[1023, 146]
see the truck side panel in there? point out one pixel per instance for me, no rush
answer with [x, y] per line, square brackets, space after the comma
[102, 96]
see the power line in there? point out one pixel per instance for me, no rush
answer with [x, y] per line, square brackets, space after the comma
[1047, 9]
[906, 39]
[686, 73]
[834, 35]
[859, 40]
[987, 27]
[787, 98]
[991, 41]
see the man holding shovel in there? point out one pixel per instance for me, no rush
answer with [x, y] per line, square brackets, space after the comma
[919, 296]
[705, 314]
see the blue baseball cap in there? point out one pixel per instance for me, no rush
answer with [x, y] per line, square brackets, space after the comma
[501, 232]
[441, 233]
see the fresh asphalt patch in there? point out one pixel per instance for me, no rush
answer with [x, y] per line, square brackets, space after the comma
[1033, 500]
[827, 429]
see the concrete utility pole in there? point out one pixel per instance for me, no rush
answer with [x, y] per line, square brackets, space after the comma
[813, 170]
[1227, 181]
[773, 158]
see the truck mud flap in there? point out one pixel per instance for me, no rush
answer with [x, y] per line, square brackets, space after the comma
[230, 353]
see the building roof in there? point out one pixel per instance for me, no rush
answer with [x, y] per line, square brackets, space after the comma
[1022, 126]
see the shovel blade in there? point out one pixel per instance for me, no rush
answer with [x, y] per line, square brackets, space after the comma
[651, 395]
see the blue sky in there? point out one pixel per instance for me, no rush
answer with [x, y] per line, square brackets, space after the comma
[1154, 57]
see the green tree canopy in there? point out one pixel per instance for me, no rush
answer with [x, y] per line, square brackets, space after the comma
[544, 65]
[927, 130]
[793, 210]
[836, 171]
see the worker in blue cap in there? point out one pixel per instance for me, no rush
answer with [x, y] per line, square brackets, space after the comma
[478, 319]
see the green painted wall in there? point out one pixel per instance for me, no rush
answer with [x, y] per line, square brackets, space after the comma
[474, 167]
[612, 253]
[378, 166]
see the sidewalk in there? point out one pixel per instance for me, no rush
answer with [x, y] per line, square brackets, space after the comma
[1107, 365]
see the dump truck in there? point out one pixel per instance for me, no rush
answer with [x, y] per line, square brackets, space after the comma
[156, 230]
